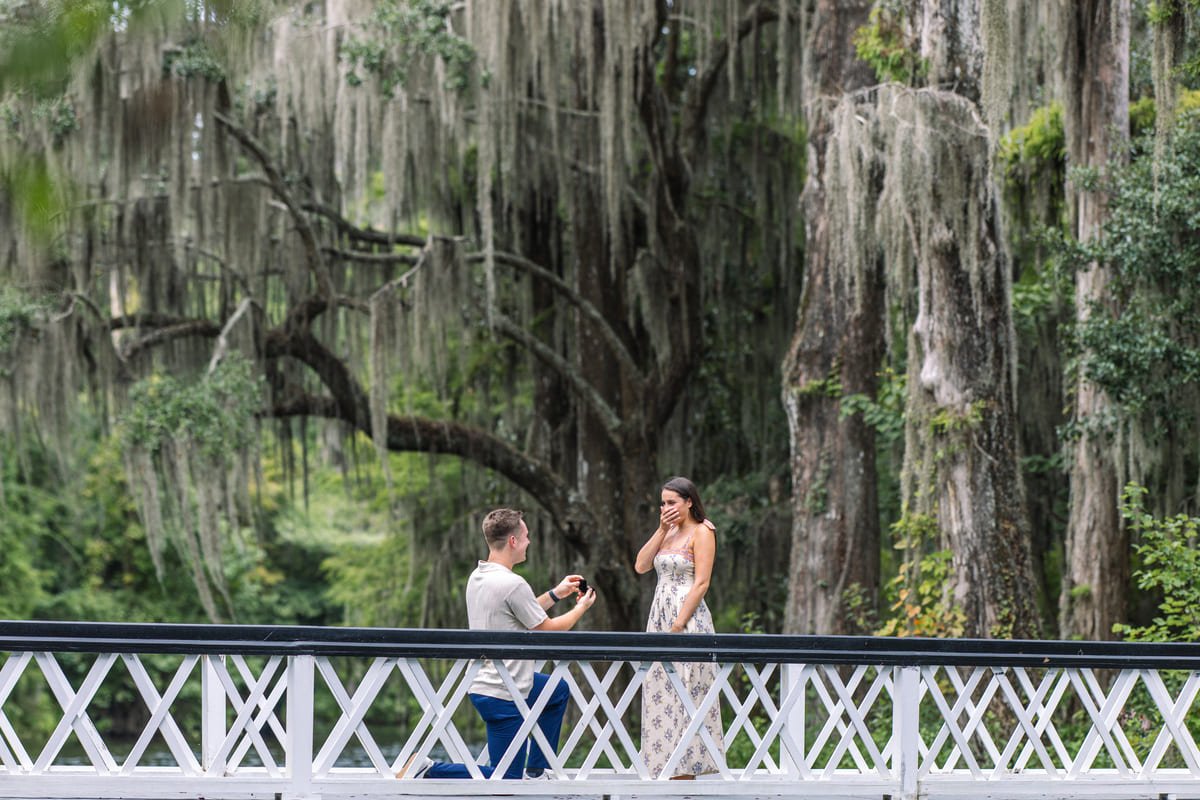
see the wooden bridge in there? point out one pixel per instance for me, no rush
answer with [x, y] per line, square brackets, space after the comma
[270, 712]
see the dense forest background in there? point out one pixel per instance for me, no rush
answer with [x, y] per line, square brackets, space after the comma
[293, 294]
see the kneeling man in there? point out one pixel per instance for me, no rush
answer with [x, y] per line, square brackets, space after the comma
[500, 600]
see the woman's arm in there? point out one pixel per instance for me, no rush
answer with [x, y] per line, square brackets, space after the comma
[645, 556]
[667, 518]
[704, 550]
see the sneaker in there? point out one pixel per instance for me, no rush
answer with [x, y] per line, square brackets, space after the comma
[415, 767]
[540, 775]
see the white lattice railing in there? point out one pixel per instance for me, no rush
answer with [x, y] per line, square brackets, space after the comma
[110, 710]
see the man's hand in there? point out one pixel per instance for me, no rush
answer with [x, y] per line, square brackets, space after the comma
[568, 585]
[564, 622]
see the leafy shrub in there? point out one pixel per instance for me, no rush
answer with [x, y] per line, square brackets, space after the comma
[883, 44]
[1171, 565]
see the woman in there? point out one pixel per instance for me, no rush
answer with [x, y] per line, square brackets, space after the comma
[682, 551]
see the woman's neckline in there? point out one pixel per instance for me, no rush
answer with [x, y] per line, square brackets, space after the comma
[680, 536]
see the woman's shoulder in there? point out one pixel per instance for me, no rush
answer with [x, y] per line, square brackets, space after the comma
[705, 528]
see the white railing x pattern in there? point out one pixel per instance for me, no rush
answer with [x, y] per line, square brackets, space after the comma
[108, 711]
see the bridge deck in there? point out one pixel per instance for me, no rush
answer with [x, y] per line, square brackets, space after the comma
[248, 712]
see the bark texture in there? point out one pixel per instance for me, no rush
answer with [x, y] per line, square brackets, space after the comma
[961, 459]
[1096, 122]
[838, 345]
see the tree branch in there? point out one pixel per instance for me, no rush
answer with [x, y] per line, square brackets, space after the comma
[586, 392]
[223, 339]
[279, 188]
[418, 434]
[363, 234]
[372, 258]
[150, 319]
[692, 124]
[574, 298]
[200, 327]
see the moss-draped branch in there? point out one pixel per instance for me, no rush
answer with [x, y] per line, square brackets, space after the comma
[349, 403]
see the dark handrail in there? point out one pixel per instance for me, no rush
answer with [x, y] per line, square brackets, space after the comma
[121, 637]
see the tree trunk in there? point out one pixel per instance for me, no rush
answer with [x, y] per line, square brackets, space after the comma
[1096, 120]
[839, 340]
[603, 462]
[961, 460]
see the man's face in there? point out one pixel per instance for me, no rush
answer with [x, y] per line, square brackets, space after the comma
[519, 542]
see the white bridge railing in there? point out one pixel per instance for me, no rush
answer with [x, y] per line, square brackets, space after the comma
[100, 710]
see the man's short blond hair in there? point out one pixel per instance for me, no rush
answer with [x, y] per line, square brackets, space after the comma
[498, 525]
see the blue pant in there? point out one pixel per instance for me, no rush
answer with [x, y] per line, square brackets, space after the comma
[503, 721]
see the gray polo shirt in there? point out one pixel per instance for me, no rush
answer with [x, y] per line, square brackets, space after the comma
[500, 600]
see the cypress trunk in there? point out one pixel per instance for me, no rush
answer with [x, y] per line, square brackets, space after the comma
[1096, 120]
[961, 460]
[837, 350]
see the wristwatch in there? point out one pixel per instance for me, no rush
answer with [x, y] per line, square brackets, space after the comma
[553, 599]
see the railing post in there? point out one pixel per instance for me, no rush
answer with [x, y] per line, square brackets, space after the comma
[212, 714]
[300, 682]
[906, 729]
[793, 681]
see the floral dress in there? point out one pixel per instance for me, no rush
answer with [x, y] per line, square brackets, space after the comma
[663, 715]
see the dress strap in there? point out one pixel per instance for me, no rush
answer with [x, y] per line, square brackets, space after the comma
[688, 544]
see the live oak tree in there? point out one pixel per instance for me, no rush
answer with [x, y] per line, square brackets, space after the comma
[202, 187]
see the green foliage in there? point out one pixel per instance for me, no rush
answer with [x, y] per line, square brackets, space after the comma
[883, 44]
[193, 60]
[1039, 146]
[951, 427]
[1140, 342]
[1033, 162]
[1039, 293]
[21, 577]
[886, 412]
[217, 413]
[403, 32]
[37, 198]
[1143, 113]
[946, 420]
[918, 596]
[61, 115]
[40, 42]
[77, 545]
[1172, 12]
[752, 514]
[829, 386]
[1170, 565]
[58, 113]
[19, 314]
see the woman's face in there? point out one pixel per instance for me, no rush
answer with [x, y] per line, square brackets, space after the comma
[673, 501]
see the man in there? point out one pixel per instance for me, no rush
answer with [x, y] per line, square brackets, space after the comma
[500, 600]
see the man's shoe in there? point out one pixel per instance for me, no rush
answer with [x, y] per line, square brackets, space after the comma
[542, 775]
[415, 767]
